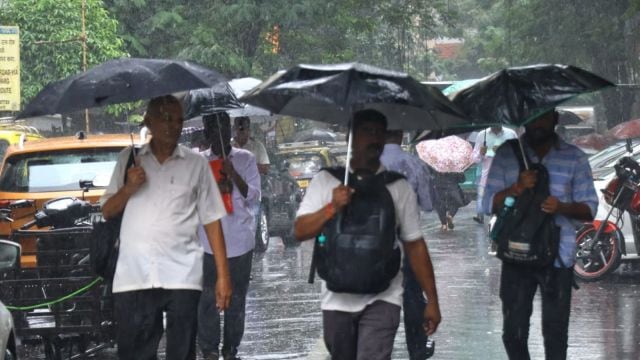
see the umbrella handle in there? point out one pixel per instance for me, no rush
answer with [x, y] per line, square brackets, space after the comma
[348, 160]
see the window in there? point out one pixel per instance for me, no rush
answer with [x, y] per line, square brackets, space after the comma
[58, 170]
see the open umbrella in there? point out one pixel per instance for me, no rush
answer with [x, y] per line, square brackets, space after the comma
[119, 81]
[207, 101]
[566, 117]
[449, 154]
[332, 93]
[517, 95]
[626, 130]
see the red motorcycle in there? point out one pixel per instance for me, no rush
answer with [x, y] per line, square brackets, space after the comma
[601, 244]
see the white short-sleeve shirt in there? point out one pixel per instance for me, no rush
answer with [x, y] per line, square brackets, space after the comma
[159, 246]
[319, 194]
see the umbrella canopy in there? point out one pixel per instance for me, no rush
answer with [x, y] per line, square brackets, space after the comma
[207, 101]
[517, 95]
[449, 154]
[242, 85]
[451, 90]
[331, 93]
[626, 130]
[566, 117]
[592, 141]
[120, 81]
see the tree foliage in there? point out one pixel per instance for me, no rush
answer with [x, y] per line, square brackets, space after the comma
[50, 32]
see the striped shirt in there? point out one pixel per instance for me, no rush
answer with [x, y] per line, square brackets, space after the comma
[570, 181]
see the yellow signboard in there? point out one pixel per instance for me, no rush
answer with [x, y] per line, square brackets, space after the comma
[9, 68]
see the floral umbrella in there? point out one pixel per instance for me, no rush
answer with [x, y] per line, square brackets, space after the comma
[448, 154]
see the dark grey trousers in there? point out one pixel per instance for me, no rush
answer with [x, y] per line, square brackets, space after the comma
[208, 315]
[139, 323]
[364, 335]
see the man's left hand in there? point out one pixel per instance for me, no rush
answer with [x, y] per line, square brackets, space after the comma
[432, 318]
[551, 205]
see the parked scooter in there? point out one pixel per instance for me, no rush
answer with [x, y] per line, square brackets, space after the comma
[601, 245]
[59, 303]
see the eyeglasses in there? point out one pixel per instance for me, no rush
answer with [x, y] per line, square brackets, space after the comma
[240, 128]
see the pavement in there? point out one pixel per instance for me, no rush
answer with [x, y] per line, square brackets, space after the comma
[284, 320]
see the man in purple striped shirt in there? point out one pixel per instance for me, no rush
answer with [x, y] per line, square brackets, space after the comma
[573, 198]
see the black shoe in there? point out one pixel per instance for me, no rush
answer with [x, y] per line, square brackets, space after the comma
[211, 356]
[479, 219]
[431, 348]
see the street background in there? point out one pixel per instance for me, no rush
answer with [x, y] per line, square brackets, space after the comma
[284, 319]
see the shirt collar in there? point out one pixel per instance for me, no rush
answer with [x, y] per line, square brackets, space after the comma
[177, 152]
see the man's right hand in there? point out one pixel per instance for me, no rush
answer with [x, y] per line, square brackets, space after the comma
[136, 177]
[341, 197]
[223, 292]
[527, 179]
[483, 150]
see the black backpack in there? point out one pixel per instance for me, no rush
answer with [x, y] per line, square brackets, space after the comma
[528, 235]
[360, 254]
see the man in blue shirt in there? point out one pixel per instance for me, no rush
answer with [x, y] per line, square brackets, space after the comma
[413, 301]
[573, 198]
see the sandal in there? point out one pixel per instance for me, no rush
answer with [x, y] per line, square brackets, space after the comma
[450, 222]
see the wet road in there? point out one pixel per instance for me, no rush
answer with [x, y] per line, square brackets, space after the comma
[284, 320]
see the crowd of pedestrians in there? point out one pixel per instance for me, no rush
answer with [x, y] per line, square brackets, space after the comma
[192, 261]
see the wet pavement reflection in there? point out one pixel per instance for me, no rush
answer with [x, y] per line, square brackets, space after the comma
[284, 319]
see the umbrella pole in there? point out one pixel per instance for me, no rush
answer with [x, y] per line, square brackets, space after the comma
[526, 164]
[224, 156]
[348, 160]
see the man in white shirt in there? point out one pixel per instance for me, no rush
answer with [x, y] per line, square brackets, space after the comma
[484, 149]
[363, 326]
[243, 140]
[242, 181]
[167, 194]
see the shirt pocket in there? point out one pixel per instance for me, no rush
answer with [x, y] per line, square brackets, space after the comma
[560, 185]
[180, 198]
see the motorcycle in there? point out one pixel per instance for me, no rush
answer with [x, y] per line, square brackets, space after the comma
[601, 244]
[59, 303]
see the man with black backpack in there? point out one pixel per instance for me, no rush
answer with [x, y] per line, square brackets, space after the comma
[555, 190]
[359, 229]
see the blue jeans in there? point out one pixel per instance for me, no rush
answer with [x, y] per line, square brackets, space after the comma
[208, 314]
[414, 303]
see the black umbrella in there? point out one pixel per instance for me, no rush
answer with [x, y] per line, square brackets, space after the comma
[517, 95]
[207, 101]
[119, 81]
[331, 93]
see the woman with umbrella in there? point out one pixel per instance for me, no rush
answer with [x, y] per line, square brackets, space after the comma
[448, 158]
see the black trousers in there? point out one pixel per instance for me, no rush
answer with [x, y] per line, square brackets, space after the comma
[518, 285]
[139, 323]
[414, 303]
[208, 314]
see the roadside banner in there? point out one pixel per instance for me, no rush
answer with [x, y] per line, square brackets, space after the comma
[9, 68]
